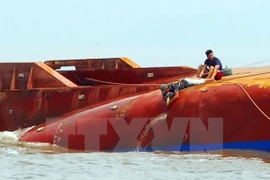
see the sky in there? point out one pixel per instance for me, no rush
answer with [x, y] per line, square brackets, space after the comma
[152, 33]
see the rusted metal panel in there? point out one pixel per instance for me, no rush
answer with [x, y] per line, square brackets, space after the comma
[1, 79]
[123, 120]
[24, 108]
[126, 92]
[94, 63]
[128, 76]
[45, 77]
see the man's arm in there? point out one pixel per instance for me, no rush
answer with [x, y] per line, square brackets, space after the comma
[168, 101]
[216, 68]
[215, 71]
[171, 100]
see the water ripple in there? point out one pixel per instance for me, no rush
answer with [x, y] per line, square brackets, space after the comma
[43, 161]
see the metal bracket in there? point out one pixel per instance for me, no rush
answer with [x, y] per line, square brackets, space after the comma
[114, 107]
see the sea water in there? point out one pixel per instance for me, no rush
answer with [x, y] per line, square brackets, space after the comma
[44, 161]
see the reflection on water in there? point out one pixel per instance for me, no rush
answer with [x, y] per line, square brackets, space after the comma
[44, 161]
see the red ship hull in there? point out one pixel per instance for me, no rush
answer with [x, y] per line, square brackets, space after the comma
[129, 114]
[197, 121]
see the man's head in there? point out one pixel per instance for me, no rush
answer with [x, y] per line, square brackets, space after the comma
[164, 88]
[209, 53]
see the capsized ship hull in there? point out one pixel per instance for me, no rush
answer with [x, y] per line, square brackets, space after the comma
[33, 93]
[232, 113]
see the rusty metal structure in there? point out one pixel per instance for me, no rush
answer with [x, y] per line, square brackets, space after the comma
[42, 95]
[31, 93]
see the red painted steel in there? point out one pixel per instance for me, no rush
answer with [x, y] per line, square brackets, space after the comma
[32, 93]
[84, 130]
[71, 108]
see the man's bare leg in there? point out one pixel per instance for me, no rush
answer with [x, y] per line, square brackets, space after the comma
[200, 68]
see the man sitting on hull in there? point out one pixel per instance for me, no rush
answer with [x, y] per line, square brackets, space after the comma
[170, 91]
[211, 69]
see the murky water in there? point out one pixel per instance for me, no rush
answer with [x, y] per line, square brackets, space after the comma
[42, 161]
